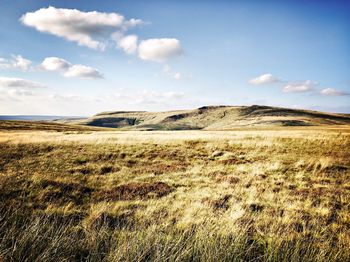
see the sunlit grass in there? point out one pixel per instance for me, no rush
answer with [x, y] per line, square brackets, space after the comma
[265, 195]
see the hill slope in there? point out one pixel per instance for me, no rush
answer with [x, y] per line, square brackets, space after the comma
[214, 118]
[43, 126]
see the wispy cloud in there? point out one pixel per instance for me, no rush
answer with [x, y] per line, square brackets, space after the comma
[294, 86]
[12, 82]
[333, 92]
[15, 62]
[15, 89]
[299, 86]
[264, 79]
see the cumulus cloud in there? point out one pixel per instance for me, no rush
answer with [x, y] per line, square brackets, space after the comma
[86, 28]
[69, 70]
[55, 64]
[299, 87]
[127, 43]
[159, 49]
[16, 62]
[264, 79]
[13, 82]
[96, 29]
[333, 92]
[83, 71]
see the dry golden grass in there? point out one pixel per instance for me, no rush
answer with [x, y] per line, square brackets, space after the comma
[280, 194]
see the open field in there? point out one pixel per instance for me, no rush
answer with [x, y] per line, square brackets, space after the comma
[253, 194]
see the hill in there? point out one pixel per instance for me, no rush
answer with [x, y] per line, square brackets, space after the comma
[213, 118]
[37, 117]
[43, 126]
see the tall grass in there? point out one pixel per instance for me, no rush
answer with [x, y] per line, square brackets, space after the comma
[189, 197]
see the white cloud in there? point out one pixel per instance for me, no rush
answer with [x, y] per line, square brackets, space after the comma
[299, 87]
[69, 70]
[16, 62]
[264, 79]
[83, 71]
[13, 82]
[96, 29]
[86, 28]
[127, 43]
[21, 63]
[55, 64]
[159, 49]
[133, 22]
[333, 92]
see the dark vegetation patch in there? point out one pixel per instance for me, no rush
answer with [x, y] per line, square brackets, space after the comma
[133, 191]
[113, 122]
[176, 117]
[221, 203]
[84, 170]
[160, 168]
[254, 207]
[105, 169]
[12, 188]
[118, 112]
[337, 168]
[80, 161]
[256, 110]
[59, 192]
[315, 192]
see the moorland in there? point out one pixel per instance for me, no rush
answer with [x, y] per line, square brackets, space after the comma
[81, 193]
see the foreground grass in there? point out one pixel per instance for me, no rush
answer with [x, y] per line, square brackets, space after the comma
[185, 196]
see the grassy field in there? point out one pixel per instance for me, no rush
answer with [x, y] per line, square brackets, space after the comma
[278, 194]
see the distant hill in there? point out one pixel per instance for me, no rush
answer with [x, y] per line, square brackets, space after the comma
[43, 126]
[212, 118]
[36, 117]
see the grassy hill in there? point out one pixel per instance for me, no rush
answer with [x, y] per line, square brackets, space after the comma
[43, 126]
[214, 118]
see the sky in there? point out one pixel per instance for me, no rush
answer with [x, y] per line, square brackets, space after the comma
[78, 58]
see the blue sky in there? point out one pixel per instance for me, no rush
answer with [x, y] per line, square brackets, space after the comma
[83, 57]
